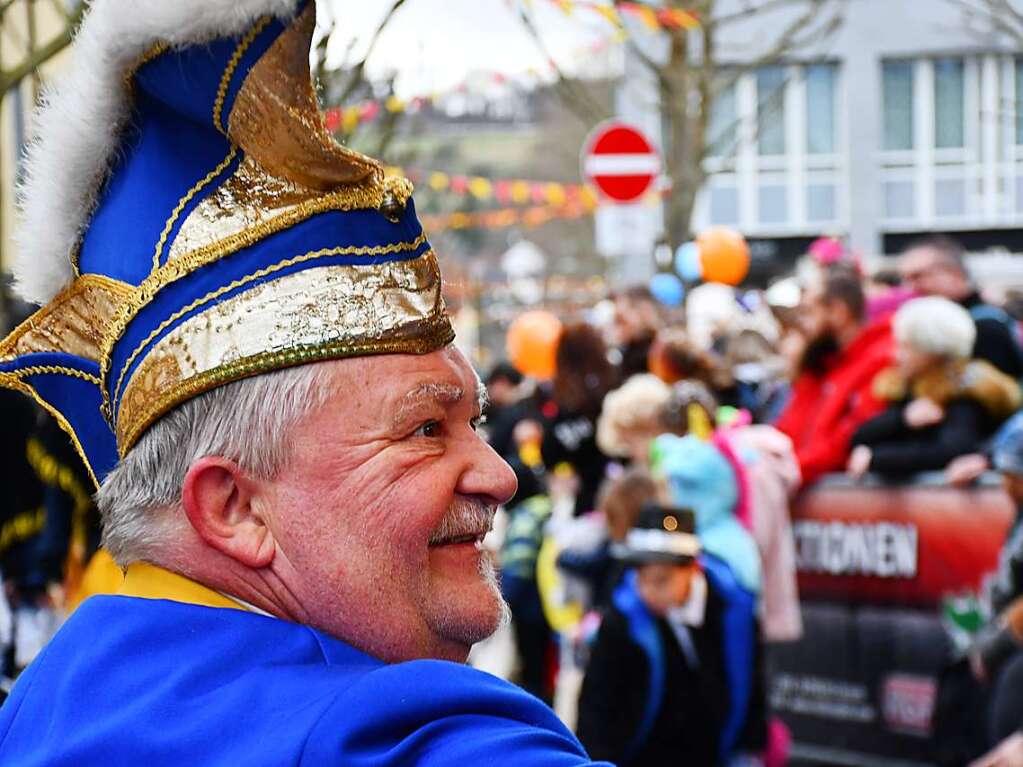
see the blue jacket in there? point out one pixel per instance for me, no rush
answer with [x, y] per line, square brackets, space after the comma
[131, 681]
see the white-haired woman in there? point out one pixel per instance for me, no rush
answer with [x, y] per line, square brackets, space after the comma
[943, 404]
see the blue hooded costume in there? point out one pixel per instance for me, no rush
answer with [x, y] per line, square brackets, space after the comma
[221, 233]
[700, 478]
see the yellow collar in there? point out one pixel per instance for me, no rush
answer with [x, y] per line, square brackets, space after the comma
[151, 582]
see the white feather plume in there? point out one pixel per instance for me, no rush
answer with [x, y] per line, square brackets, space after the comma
[78, 124]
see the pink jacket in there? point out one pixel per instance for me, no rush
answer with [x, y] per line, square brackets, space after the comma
[772, 476]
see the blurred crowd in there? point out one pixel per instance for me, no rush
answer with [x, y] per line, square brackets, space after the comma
[649, 551]
[648, 557]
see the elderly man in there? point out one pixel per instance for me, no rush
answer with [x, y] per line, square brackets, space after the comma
[244, 336]
[935, 266]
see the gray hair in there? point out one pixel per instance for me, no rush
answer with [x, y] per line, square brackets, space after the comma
[935, 325]
[247, 421]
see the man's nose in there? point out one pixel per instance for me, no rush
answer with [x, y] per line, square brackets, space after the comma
[488, 475]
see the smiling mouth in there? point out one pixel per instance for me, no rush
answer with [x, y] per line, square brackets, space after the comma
[476, 538]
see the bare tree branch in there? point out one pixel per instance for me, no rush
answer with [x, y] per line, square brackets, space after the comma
[36, 57]
[576, 98]
[998, 16]
[356, 75]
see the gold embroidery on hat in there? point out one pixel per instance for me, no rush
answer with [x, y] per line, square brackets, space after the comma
[229, 70]
[329, 312]
[202, 184]
[73, 322]
[276, 119]
[252, 205]
[173, 270]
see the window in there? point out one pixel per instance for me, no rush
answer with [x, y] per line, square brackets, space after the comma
[771, 110]
[773, 204]
[950, 197]
[724, 205]
[897, 89]
[1019, 101]
[820, 109]
[820, 203]
[722, 131]
[949, 112]
[899, 199]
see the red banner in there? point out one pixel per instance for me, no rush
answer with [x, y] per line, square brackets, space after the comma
[905, 545]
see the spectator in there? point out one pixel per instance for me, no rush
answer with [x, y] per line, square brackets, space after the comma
[519, 552]
[637, 318]
[676, 356]
[943, 404]
[662, 686]
[759, 372]
[996, 658]
[584, 376]
[510, 425]
[935, 266]
[504, 407]
[631, 418]
[831, 395]
[701, 477]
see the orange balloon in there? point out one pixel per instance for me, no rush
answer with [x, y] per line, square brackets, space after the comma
[532, 343]
[724, 255]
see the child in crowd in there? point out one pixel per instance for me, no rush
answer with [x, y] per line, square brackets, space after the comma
[674, 675]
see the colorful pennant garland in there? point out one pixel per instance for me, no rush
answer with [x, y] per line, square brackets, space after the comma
[654, 19]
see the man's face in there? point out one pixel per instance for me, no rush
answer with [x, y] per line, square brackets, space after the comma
[663, 586]
[824, 318]
[633, 319]
[924, 271]
[390, 465]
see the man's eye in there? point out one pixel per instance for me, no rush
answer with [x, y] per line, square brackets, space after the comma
[428, 429]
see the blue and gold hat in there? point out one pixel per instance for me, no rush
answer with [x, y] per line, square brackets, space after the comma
[188, 221]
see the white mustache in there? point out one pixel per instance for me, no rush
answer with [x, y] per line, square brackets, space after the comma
[464, 518]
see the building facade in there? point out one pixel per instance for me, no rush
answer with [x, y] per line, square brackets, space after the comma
[903, 122]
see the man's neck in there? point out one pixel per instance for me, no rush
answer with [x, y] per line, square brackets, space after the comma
[258, 589]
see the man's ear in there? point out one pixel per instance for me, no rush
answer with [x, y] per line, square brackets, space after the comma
[220, 501]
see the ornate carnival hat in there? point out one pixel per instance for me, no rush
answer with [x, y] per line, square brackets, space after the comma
[188, 221]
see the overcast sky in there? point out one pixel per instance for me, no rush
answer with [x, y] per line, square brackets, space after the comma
[435, 44]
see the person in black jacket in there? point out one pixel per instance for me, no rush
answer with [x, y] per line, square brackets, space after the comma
[656, 689]
[584, 377]
[944, 404]
[935, 266]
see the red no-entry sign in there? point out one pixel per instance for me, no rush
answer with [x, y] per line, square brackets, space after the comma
[620, 161]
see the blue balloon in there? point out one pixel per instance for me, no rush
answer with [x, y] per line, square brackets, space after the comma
[668, 289]
[687, 262]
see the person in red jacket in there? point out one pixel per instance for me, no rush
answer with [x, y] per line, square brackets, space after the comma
[831, 394]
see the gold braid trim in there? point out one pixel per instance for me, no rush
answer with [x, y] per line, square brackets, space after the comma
[116, 289]
[13, 381]
[206, 181]
[438, 336]
[179, 268]
[57, 370]
[229, 70]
